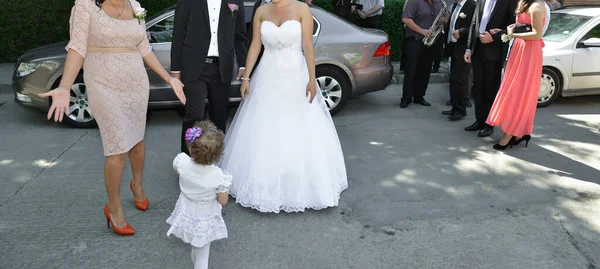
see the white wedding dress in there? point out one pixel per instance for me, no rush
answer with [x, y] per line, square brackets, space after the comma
[282, 151]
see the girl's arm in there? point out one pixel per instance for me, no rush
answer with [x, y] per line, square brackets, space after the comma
[307, 45]
[537, 13]
[223, 198]
[256, 44]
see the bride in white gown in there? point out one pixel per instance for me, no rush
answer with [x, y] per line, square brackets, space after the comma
[282, 148]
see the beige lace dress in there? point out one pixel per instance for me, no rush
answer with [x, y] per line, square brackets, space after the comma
[114, 73]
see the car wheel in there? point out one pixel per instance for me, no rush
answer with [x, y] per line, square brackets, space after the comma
[550, 87]
[80, 114]
[334, 87]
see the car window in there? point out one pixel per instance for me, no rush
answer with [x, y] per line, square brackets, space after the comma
[595, 32]
[162, 32]
[562, 26]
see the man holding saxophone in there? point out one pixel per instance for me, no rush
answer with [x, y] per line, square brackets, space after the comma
[424, 21]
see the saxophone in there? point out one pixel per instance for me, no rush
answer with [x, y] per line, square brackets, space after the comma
[436, 28]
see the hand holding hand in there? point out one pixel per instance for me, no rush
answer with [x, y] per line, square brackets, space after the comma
[467, 57]
[60, 103]
[456, 34]
[178, 89]
[244, 89]
[311, 89]
[486, 38]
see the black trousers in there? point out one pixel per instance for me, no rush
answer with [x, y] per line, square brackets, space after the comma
[371, 22]
[459, 81]
[487, 76]
[417, 68]
[439, 46]
[209, 86]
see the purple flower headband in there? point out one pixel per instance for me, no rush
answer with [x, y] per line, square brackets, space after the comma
[192, 133]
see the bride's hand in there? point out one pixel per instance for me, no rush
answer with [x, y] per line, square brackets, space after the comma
[60, 102]
[178, 89]
[311, 89]
[244, 88]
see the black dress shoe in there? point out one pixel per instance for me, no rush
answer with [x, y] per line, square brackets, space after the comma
[486, 131]
[422, 102]
[449, 103]
[474, 127]
[448, 112]
[404, 103]
[456, 116]
[467, 103]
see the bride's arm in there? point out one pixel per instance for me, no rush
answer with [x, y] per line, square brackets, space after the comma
[256, 44]
[307, 45]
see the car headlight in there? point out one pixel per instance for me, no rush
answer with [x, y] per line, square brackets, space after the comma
[25, 69]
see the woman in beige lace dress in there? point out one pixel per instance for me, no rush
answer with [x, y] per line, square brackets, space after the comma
[112, 39]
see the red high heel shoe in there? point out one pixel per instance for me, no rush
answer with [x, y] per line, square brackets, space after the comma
[143, 205]
[127, 230]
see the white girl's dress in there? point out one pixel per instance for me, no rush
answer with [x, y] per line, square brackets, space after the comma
[197, 216]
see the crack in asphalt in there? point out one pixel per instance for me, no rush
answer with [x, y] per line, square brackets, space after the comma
[573, 242]
[43, 170]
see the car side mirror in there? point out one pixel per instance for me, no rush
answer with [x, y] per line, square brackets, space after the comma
[592, 42]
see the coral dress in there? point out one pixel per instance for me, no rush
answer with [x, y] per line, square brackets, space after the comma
[516, 101]
[116, 80]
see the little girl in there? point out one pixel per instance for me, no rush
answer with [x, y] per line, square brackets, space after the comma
[204, 187]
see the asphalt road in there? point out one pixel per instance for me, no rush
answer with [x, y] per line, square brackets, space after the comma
[423, 194]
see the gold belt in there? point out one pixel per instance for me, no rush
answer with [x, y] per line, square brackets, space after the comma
[111, 49]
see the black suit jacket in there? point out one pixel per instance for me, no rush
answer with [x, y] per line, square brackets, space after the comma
[191, 38]
[462, 25]
[503, 15]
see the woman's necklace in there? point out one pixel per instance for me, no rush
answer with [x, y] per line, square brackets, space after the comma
[120, 13]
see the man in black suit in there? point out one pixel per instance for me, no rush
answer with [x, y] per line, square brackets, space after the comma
[207, 36]
[456, 35]
[487, 53]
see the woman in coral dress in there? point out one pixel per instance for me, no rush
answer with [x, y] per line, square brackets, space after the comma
[111, 37]
[516, 102]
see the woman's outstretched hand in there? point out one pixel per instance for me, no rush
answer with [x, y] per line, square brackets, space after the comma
[60, 103]
[311, 89]
[178, 89]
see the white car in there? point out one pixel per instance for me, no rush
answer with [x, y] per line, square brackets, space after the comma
[571, 54]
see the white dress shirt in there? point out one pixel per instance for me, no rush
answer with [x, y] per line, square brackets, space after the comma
[214, 9]
[487, 13]
[453, 19]
[370, 4]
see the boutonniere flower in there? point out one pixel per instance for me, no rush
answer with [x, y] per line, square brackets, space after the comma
[462, 15]
[140, 14]
[506, 37]
[233, 8]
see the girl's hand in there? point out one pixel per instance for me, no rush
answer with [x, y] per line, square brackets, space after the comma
[244, 88]
[510, 29]
[60, 103]
[311, 89]
[178, 89]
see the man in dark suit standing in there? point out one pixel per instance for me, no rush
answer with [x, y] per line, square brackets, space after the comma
[488, 53]
[456, 35]
[207, 36]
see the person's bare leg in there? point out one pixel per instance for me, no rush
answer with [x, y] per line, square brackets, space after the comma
[136, 159]
[505, 139]
[113, 171]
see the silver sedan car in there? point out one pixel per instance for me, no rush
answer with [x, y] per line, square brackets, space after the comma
[350, 61]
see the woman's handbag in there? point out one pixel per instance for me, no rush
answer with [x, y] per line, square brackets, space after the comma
[522, 28]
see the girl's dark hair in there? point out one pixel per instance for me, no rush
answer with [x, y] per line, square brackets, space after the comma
[99, 3]
[207, 148]
[524, 5]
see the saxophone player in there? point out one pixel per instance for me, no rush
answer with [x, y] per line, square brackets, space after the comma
[419, 17]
